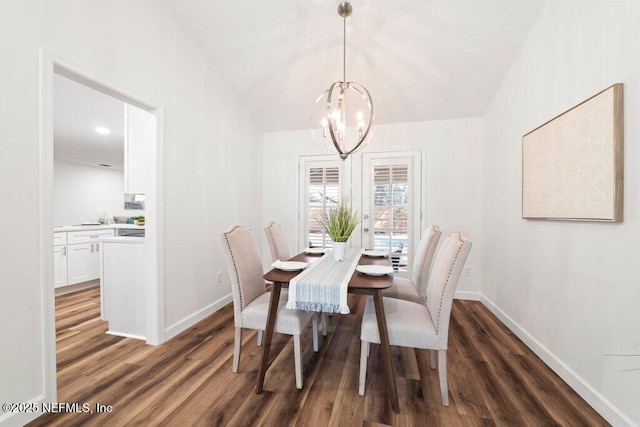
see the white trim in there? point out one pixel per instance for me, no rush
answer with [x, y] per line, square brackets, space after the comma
[50, 64]
[594, 398]
[19, 419]
[185, 323]
[468, 295]
[125, 335]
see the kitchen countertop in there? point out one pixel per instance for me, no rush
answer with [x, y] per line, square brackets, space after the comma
[98, 227]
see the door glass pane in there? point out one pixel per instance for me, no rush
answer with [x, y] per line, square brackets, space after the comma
[391, 212]
[324, 194]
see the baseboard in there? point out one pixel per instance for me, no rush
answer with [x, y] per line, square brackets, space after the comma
[125, 335]
[468, 295]
[64, 290]
[600, 403]
[19, 419]
[183, 324]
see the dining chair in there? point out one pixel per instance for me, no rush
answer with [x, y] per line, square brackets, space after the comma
[421, 326]
[280, 251]
[415, 288]
[277, 242]
[251, 299]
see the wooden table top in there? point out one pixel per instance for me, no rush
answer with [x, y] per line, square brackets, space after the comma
[359, 282]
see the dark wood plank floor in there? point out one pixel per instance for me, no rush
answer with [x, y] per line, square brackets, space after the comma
[494, 379]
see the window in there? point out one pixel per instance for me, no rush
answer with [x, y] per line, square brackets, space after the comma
[321, 191]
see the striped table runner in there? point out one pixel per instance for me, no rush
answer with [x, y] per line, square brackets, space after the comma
[323, 285]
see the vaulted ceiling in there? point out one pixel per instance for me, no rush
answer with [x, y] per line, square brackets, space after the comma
[420, 60]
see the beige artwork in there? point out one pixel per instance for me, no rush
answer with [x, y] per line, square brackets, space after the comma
[572, 165]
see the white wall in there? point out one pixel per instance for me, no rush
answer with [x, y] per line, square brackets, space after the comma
[572, 287]
[212, 157]
[453, 179]
[84, 193]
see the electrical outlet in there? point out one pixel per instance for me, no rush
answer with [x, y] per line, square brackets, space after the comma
[467, 270]
[219, 276]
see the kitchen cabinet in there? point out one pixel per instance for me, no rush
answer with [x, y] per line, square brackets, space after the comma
[123, 286]
[83, 262]
[139, 144]
[76, 256]
[60, 259]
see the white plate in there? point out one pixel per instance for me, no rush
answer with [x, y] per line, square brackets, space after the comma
[290, 265]
[374, 253]
[314, 250]
[375, 270]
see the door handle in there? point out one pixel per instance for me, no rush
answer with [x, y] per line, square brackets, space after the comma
[97, 247]
[366, 230]
[92, 248]
[64, 251]
[366, 217]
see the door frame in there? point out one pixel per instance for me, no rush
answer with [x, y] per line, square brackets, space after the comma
[51, 63]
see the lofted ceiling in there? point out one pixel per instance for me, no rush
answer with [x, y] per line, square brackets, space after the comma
[77, 111]
[421, 60]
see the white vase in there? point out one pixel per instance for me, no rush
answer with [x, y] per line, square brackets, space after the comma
[339, 249]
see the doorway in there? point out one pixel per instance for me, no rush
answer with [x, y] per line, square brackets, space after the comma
[52, 65]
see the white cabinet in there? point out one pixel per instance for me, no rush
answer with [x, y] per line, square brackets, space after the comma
[83, 263]
[139, 146]
[77, 256]
[60, 259]
[123, 286]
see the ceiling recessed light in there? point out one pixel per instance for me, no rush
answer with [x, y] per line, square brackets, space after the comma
[102, 130]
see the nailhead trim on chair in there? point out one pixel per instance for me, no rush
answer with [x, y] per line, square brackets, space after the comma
[444, 288]
[235, 268]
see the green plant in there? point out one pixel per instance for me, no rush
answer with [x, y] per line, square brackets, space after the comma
[339, 222]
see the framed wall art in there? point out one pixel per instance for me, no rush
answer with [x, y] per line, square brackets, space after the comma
[572, 166]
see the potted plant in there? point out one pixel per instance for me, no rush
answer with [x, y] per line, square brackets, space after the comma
[339, 223]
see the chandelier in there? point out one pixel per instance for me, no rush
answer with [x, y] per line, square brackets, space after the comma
[342, 116]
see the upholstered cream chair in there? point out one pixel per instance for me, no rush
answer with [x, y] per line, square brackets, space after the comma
[251, 300]
[277, 242]
[418, 325]
[280, 251]
[415, 289]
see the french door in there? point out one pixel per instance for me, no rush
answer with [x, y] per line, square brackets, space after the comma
[392, 205]
[385, 188]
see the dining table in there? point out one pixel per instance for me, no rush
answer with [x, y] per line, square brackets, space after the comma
[358, 284]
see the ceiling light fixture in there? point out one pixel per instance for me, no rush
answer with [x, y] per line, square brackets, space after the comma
[102, 130]
[342, 133]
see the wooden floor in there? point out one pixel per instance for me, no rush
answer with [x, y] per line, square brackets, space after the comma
[494, 379]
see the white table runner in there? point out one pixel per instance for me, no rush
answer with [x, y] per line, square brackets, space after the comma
[323, 286]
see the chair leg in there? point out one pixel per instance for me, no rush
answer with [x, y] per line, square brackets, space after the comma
[364, 355]
[236, 349]
[432, 359]
[442, 374]
[324, 324]
[314, 328]
[297, 360]
[260, 338]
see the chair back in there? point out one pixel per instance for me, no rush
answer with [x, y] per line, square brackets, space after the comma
[444, 280]
[424, 258]
[277, 242]
[245, 268]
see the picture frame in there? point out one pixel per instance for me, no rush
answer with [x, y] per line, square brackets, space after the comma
[572, 165]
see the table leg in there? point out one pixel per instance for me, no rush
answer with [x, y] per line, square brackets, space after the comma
[385, 349]
[268, 334]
